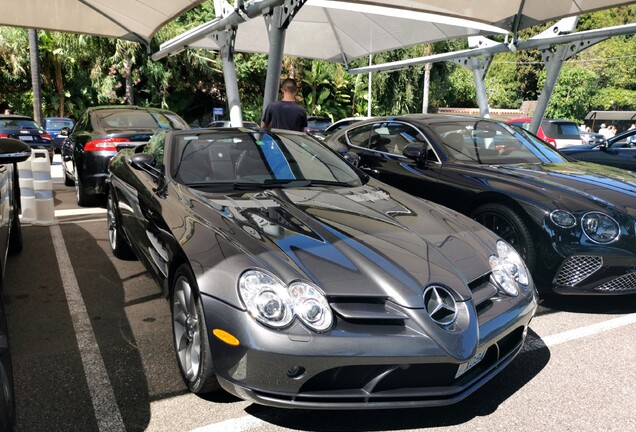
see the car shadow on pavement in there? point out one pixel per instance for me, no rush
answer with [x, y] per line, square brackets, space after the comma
[51, 383]
[601, 304]
[483, 402]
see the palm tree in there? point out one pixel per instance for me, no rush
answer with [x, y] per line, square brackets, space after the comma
[34, 55]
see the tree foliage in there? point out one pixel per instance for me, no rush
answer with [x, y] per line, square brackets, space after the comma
[79, 71]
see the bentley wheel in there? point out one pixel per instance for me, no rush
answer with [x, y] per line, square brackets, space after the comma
[504, 222]
[118, 245]
[190, 334]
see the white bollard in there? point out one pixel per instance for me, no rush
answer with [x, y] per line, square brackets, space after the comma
[43, 188]
[27, 194]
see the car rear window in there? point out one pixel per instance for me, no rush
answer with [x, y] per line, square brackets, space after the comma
[567, 130]
[18, 124]
[137, 119]
[58, 124]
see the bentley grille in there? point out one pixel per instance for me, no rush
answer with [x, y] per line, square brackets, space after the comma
[621, 284]
[576, 269]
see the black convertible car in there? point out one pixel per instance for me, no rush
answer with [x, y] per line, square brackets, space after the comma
[618, 151]
[573, 222]
[297, 281]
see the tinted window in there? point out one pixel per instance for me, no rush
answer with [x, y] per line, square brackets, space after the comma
[138, 119]
[360, 136]
[58, 124]
[392, 137]
[567, 130]
[488, 142]
[18, 124]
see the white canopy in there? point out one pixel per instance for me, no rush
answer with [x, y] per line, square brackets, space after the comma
[136, 20]
[342, 31]
[509, 14]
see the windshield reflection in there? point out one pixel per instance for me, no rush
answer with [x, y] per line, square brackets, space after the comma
[492, 143]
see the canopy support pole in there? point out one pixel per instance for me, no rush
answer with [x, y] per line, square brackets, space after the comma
[479, 67]
[225, 39]
[277, 22]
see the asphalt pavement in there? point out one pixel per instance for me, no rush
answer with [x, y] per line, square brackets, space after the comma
[92, 351]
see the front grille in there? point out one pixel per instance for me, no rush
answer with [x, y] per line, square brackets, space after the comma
[576, 269]
[621, 284]
[376, 381]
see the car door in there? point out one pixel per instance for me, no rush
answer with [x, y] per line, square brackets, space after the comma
[141, 200]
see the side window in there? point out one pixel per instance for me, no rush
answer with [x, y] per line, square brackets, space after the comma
[155, 147]
[360, 136]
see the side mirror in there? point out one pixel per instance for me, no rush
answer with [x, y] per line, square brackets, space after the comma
[13, 151]
[146, 162]
[414, 151]
[65, 131]
[603, 145]
[352, 158]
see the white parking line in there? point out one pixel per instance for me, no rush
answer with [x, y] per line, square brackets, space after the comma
[102, 394]
[580, 333]
[232, 425]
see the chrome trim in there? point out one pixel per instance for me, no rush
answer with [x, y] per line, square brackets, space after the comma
[440, 305]
[576, 269]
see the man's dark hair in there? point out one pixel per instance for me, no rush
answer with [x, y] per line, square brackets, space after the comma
[289, 85]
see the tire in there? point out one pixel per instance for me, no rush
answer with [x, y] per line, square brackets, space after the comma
[190, 334]
[506, 223]
[7, 395]
[118, 245]
[15, 236]
[67, 180]
[83, 198]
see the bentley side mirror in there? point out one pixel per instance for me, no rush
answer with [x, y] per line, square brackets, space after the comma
[414, 151]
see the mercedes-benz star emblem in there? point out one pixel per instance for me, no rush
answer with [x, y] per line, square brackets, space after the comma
[440, 305]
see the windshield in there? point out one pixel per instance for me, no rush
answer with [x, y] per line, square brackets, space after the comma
[218, 157]
[492, 143]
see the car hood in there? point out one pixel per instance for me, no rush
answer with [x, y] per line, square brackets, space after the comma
[353, 242]
[560, 183]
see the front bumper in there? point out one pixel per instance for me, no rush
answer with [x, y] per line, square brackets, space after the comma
[359, 365]
[596, 274]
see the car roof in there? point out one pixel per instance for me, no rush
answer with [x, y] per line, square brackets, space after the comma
[15, 116]
[127, 107]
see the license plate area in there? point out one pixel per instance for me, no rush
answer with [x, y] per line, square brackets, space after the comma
[465, 367]
[26, 138]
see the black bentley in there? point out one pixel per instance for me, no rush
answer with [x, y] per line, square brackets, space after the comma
[295, 280]
[573, 222]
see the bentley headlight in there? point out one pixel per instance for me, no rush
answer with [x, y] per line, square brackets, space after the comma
[563, 218]
[509, 272]
[599, 227]
[272, 303]
[311, 306]
[266, 298]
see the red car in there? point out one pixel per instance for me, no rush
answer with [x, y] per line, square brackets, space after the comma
[558, 133]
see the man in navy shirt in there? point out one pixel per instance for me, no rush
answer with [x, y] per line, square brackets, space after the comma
[286, 113]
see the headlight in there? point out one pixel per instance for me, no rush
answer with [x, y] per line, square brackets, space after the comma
[599, 227]
[311, 306]
[271, 303]
[563, 218]
[266, 299]
[509, 272]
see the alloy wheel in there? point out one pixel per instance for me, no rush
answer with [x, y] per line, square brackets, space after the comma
[186, 329]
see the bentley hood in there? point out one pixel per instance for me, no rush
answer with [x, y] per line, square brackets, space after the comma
[567, 182]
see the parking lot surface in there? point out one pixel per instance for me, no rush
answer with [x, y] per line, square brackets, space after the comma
[91, 345]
